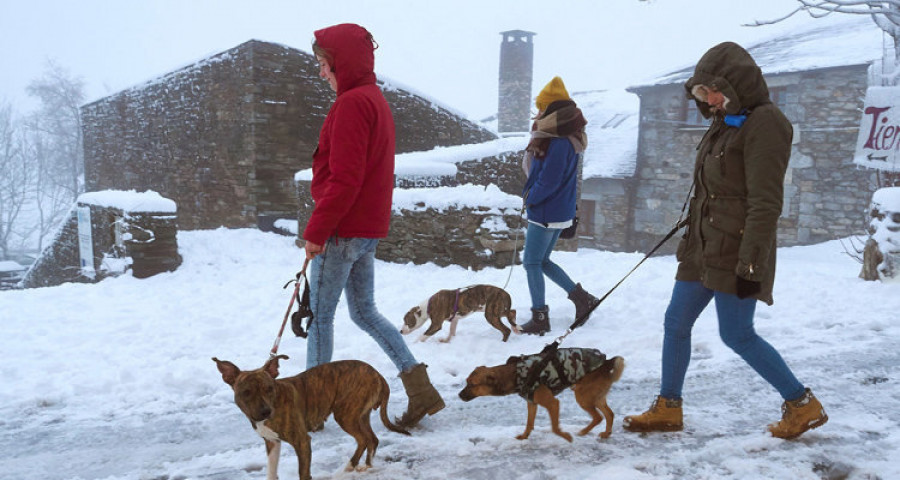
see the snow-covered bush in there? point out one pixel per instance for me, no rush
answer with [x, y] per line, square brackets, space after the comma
[884, 233]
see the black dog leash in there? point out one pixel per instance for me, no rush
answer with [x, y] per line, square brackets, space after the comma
[549, 352]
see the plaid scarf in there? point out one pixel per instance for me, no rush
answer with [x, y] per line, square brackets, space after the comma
[563, 119]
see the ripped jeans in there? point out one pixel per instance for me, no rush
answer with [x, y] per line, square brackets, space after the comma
[348, 265]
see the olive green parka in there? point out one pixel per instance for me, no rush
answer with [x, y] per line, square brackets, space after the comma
[738, 179]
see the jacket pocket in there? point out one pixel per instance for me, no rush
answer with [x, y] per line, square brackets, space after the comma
[723, 229]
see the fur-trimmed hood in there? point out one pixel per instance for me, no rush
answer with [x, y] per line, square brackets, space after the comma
[731, 70]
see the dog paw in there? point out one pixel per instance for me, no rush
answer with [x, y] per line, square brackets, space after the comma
[605, 434]
[523, 436]
[363, 468]
[565, 435]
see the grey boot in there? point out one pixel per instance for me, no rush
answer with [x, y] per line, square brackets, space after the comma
[540, 322]
[584, 302]
[423, 397]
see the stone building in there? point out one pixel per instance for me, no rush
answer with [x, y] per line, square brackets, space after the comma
[818, 77]
[223, 137]
[106, 234]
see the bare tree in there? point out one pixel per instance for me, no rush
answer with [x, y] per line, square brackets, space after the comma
[59, 119]
[885, 14]
[15, 181]
[51, 200]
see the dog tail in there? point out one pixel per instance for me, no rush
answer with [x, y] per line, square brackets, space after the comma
[383, 405]
[618, 365]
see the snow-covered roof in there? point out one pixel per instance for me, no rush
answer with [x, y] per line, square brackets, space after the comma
[10, 266]
[612, 132]
[841, 40]
[129, 201]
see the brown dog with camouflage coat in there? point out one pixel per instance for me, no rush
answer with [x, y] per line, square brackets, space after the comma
[288, 409]
[538, 380]
[455, 304]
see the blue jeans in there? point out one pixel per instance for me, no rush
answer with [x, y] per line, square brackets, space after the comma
[735, 329]
[539, 243]
[348, 265]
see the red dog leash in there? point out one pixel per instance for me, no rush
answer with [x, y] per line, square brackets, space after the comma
[288, 312]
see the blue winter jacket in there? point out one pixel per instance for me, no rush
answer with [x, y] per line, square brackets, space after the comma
[551, 184]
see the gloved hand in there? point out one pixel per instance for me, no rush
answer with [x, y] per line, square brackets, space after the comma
[747, 288]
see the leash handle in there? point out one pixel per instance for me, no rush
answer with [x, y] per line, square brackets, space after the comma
[301, 273]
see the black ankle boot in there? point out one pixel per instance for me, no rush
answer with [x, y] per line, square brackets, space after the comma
[540, 322]
[584, 302]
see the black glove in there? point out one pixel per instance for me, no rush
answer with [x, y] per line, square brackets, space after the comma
[747, 288]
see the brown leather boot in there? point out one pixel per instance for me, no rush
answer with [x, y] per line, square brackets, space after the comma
[798, 416]
[540, 322]
[423, 397]
[663, 416]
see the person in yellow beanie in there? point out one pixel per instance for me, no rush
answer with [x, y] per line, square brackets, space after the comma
[553, 91]
[551, 161]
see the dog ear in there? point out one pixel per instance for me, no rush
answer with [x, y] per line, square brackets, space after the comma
[228, 370]
[271, 367]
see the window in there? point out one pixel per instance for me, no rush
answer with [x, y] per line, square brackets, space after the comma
[586, 218]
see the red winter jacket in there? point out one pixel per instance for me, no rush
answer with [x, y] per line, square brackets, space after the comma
[353, 166]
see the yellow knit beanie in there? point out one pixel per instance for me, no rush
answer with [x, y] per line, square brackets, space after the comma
[553, 91]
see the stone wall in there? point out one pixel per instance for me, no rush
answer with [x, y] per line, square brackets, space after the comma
[605, 229]
[145, 242]
[186, 136]
[467, 237]
[826, 195]
[473, 237]
[223, 137]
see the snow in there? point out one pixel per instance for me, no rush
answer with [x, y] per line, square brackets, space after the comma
[886, 201]
[114, 380]
[835, 41]
[442, 198]
[129, 201]
[441, 161]
[612, 130]
[10, 266]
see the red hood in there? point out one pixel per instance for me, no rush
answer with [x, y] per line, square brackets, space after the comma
[352, 52]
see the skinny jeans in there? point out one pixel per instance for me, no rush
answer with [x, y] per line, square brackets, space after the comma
[348, 265]
[539, 243]
[735, 315]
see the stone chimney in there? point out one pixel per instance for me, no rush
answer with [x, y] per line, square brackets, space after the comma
[516, 61]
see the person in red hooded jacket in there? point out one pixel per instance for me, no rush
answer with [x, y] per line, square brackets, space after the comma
[352, 186]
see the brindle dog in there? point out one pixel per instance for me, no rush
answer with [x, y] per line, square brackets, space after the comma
[455, 304]
[288, 409]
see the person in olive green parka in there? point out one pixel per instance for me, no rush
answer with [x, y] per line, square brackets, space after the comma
[728, 250]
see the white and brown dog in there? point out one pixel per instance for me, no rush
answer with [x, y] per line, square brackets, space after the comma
[453, 305]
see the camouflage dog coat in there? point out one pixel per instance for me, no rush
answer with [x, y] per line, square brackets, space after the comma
[564, 368]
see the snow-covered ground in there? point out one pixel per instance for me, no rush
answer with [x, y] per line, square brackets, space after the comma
[114, 380]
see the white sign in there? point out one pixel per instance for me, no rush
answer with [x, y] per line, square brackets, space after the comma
[879, 131]
[85, 241]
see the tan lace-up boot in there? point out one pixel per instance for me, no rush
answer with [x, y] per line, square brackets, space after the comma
[798, 416]
[663, 416]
